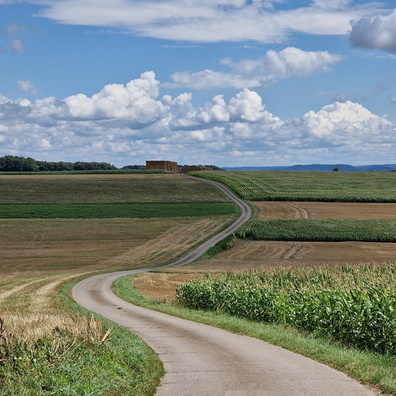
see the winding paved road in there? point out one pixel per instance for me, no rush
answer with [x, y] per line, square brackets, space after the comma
[201, 360]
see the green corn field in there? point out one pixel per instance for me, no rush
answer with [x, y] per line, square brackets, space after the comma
[352, 305]
[328, 230]
[308, 186]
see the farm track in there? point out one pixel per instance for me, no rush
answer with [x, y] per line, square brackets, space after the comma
[301, 212]
[17, 289]
[202, 360]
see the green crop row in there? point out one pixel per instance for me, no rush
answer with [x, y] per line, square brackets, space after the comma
[308, 186]
[320, 230]
[353, 305]
[98, 211]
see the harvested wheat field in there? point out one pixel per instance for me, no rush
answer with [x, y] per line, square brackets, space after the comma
[38, 256]
[250, 255]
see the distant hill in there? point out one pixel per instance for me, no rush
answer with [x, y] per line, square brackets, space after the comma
[321, 168]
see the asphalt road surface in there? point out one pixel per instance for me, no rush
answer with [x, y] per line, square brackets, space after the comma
[201, 360]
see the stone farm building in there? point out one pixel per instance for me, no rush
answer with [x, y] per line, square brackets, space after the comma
[194, 168]
[162, 165]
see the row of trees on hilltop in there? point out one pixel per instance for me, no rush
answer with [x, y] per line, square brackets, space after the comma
[11, 163]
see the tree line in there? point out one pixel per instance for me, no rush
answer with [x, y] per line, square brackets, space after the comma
[11, 163]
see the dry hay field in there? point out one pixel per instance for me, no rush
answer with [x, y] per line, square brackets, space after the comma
[250, 255]
[38, 256]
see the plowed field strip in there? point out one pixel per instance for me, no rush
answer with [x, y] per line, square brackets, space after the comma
[273, 210]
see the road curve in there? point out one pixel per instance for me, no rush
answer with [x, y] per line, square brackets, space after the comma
[201, 360]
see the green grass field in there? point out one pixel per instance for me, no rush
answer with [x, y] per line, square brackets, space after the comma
[105, 189]
[309, 186]
[100, 211]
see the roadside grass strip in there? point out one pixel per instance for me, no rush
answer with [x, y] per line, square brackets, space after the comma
[308, 186]
[329, 230]
[91, 211]
[353, 305]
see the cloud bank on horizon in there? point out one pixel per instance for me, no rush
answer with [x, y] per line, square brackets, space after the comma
[145, 118]
[133, 121]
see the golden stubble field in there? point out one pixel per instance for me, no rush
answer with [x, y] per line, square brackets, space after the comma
[252, 255]
[37, 256]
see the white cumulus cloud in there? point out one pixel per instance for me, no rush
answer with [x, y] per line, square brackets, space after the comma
[375, 32]
[130, 123]
[344, 119]
[135, 101]
[251, 73]
[286, 63]
[246, 106]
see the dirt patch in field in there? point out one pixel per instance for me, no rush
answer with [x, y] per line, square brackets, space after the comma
[161, 286]
[274, 210]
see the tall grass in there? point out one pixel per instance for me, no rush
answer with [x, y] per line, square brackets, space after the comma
[352, 305]
[68, 354]
[34, 347]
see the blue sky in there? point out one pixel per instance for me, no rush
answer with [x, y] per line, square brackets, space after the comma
[224, 82]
